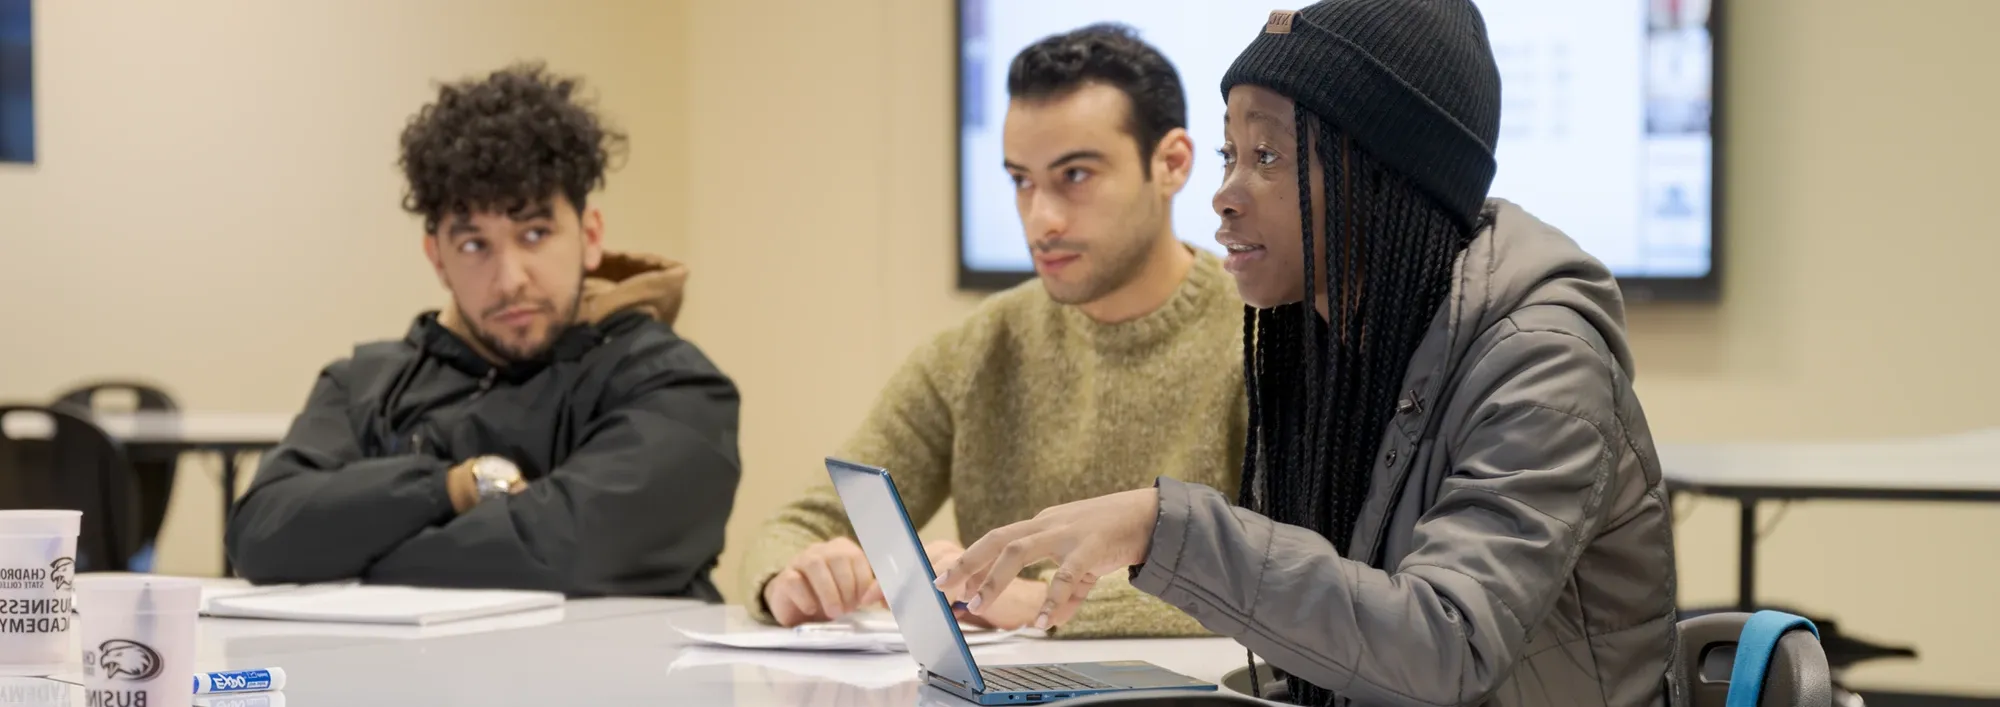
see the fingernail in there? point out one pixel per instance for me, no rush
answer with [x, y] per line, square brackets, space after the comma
[939, 582]
[973, 606]
[1042, 622]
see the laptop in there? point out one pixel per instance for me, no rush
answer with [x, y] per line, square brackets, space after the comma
[929, 628]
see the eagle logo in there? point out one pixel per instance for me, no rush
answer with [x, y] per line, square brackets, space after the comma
[130, 660]
[62, 573]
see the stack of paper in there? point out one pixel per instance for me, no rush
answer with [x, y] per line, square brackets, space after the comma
[213, 591]
[370, 604]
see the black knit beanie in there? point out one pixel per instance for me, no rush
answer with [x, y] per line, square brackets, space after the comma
[1413, 81]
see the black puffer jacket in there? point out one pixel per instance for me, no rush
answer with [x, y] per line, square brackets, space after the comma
[627, 436]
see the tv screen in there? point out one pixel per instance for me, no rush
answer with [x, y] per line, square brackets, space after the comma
[1607, 125]
[17, 82]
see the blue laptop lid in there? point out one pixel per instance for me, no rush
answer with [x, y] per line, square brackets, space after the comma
[895, 553]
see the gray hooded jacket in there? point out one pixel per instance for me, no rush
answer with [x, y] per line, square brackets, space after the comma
[1516, 547]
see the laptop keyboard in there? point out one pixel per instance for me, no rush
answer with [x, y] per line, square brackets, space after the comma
[1034, 678]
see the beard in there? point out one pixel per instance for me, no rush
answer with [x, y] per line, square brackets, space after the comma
[1116, 263]
[562, 317]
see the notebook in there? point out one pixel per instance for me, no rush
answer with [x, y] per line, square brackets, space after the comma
[212, 590]
[378, 604]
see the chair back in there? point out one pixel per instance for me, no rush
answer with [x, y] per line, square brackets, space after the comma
[72, 464]
[155, 469]
[119, 396]
[1795, 674]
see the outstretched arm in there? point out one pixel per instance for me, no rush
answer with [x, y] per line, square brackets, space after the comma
[1447, 627]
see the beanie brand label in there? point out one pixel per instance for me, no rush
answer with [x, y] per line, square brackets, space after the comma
[1280, 22]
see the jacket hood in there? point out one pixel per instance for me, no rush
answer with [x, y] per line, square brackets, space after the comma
[622, 281]
[1519, 262]
[634, 281]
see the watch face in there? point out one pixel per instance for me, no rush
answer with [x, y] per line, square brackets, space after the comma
[495, 476]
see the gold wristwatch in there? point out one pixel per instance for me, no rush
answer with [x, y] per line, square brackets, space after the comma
[494, 476]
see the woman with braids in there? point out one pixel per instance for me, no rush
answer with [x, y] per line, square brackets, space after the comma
[1450, 496]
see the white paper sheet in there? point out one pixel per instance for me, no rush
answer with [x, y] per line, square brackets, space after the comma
[824, 637]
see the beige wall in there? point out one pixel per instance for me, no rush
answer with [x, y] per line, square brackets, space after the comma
[1857, 305]
[821, 148]
[797, 154]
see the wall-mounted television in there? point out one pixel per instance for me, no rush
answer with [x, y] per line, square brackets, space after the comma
[17, 82]
[1608, 127]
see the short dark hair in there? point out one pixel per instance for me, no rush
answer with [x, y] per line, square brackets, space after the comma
[1111, 54]
[505, 142]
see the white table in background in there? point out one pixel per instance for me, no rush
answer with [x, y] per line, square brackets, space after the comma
[195, 429]
[1962, 467]
[165, 435]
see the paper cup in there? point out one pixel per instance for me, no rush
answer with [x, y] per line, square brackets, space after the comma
[138, 640]
[37, 586]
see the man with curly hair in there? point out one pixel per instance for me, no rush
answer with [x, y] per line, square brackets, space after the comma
[548, 429]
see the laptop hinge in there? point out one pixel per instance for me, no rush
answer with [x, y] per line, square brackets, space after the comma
[955, 683]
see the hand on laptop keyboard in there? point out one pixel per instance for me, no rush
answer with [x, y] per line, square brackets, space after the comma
[1086, 539]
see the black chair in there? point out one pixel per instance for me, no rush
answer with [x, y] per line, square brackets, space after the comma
[1270, 685]
[1797, 675]
[77, 466]
[101, 396]
[155, 473]
[1844, 649]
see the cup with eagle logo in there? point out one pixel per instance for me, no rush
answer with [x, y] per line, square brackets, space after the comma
[138, 639]
[35, 692]
[37, 590]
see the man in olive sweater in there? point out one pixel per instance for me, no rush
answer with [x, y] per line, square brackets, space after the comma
[1122, 364]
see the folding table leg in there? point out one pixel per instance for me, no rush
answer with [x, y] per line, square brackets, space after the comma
[1746, 556]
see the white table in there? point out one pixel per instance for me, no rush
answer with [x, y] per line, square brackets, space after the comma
[165, 435]
[1962, 467]
[254, 643]
[621, 651]
[194, 429]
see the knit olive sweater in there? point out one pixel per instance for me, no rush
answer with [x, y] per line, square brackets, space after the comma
[1030, 404]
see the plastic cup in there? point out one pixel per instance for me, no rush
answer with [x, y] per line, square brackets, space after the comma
[37, 590]
[34, 692]
[138, 640]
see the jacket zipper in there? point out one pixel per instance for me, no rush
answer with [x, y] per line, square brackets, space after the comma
[1399, 475]
[416, 437]
[485, 384]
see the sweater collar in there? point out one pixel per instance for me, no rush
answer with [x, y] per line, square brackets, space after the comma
[1204, 282]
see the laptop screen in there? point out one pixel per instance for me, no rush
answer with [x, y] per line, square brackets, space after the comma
[890, 540]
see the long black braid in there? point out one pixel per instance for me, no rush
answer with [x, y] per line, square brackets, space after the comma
[1322, 391]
